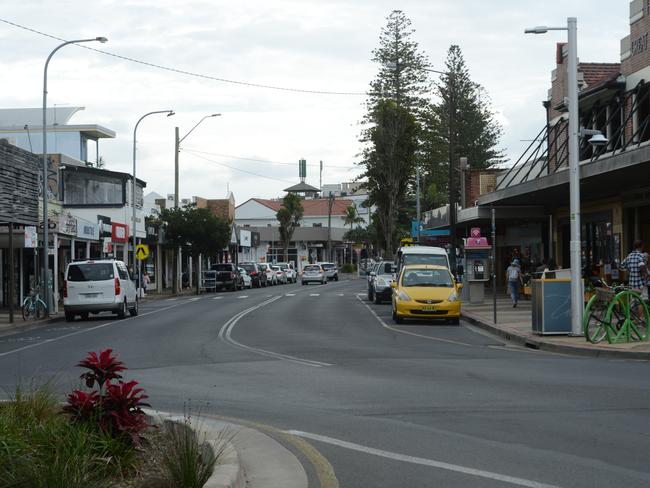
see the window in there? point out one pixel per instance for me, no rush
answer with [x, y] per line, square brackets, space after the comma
[82, 188]
[122, 271]
[90, 272]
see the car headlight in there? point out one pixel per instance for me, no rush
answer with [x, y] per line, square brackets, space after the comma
[403, 296]
[453, 297]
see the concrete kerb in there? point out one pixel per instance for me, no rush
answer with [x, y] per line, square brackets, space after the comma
[542, 345]
[229, 471]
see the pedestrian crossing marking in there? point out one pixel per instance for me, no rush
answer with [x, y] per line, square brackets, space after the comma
[289, 294]
[341, 294]
[170, 299]
[314, 294]
[242, 296]
[217, 298]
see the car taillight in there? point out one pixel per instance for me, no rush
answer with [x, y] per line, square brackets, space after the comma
[117, 286]
[253, 273]
[65, 289]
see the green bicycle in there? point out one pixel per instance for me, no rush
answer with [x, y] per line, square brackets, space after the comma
[616, 314]
[33, 306]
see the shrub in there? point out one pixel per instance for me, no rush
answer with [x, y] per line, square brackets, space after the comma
[115, 407]
[348, 268]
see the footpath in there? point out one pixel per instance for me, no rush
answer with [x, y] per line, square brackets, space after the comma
[249, 457]
[515, 325]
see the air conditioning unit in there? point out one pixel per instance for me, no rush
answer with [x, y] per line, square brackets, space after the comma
[170, 197]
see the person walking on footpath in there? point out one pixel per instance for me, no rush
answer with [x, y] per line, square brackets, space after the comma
[637, 267]
[514, 281]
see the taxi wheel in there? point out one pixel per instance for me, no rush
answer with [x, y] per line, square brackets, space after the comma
[454, 321]
[397, 319]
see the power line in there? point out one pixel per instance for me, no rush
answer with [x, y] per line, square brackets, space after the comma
[236, 169]
[185, 72]
[267, 161]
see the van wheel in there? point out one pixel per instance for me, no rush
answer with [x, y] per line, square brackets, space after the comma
[84, 316]
[122, 311]
[134, 310]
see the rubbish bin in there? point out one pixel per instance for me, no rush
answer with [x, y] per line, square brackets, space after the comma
[551, 305]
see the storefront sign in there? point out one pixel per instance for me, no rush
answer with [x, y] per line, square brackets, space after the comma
[67, 225]
[245, 238]
[107, 245]
[105, 227]
[87, 230]
[119, 233]
[640, 44]
[31, 237]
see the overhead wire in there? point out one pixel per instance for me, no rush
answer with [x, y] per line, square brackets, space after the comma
[236, 169]
[186, 72]
[267, 161]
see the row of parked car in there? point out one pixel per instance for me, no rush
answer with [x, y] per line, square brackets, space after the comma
[258, 275]
[418, 284]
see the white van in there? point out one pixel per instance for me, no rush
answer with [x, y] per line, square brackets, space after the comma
[421, 255]
[98, 286]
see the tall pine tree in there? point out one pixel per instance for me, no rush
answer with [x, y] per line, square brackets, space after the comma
[475, 132]
[396, 106]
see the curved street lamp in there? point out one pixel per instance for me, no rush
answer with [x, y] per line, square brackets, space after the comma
[46, 287]
[133, 188]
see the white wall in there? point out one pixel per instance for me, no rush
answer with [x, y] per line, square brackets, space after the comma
[121, 215]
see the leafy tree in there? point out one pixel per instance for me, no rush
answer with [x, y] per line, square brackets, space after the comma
[352, 217]
[402, 74]
[464, 107]
[389, 161]
[196, 231]
[396, 105]
[289, 217]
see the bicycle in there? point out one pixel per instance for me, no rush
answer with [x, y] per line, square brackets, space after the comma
[33, 306]
[616, 313]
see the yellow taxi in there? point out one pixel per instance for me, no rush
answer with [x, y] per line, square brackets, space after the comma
[425, 291]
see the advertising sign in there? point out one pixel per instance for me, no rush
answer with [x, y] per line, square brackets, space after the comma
[119, 233]
[31, 237]
[107, 245]
[87, 230]
[245, 238]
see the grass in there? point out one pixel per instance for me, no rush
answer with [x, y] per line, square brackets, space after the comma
[41, 448]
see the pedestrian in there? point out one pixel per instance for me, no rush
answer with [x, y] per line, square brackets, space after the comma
[514, 281]
[637, 267]
[146, 280]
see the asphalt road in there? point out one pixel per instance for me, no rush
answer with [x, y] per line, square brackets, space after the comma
[419, 405]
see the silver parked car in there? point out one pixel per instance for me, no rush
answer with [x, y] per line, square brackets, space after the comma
[382, 276]
[98, 286]
[331, 271]
[313, 273]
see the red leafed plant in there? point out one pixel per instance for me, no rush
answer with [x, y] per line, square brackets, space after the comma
[103, 367]
[116, 407]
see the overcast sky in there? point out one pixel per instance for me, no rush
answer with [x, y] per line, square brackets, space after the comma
[304, 44]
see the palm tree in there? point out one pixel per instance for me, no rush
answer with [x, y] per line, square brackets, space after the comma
[351, 218]
[289, 217]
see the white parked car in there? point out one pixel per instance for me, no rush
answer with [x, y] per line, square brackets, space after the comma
[290, 271]
[98, 286]
[280, 274]
[331, 271]
[248, 281]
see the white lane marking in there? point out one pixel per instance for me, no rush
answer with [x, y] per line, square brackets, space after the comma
[226, 330]
[194, 299]
[314, 294]
[340, 294]
[436, 339]
[170, 299]
[217, 298]
[422, 461]
[289, 294]
[242, 296]
[83, 331]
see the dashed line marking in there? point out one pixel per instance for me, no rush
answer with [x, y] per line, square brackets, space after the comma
[242, 296]
[289, 294]
[314, 294]
[194, 299]
[170, 299]
[217, 298]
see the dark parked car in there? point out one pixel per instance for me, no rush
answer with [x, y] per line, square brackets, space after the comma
[228, 276]
[257, 276]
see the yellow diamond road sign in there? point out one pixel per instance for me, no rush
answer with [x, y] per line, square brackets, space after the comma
[141, 251]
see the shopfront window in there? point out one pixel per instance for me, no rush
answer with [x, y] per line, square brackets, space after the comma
[81, 188]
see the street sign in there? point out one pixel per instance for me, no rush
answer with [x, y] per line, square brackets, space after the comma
[233, 236]
[141, 251]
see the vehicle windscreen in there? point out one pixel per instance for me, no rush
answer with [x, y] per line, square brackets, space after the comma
[263, 267]
[221, 267]
[91, 272]
[427, 277]
[433, 259]
[385, 268]
[327, 266]
[312, 268]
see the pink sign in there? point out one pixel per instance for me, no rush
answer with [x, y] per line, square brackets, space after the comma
[475, 232]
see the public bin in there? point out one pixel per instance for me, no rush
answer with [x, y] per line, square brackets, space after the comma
[551, 304]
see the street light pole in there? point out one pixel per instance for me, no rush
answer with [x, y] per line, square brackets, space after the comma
[46, 258]
[177, 149]
[577, 298]
[417, 201]
[134, 187]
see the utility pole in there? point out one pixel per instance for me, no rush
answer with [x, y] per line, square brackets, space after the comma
[177, 144]
[330, 203]
[452, 159]
[494, 265]
[417, 202]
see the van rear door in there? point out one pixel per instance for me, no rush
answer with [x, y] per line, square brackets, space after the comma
[90, 283]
